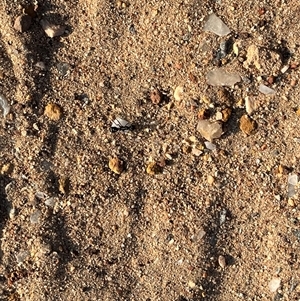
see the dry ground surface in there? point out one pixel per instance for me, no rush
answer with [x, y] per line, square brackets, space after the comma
[72, 229]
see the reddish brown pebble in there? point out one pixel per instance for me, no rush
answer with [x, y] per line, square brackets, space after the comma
[155, 96]
[293, 65]
[293, 82]
[271, 80]
[192, 78]
[261, 11]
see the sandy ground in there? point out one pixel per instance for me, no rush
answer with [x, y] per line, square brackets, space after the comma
[201, 224]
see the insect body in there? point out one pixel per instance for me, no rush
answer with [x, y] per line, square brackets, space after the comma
[120, 124]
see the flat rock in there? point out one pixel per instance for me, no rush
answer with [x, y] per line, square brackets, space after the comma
[210, 130]
[216, 25]
[220, 77]
[266, 90]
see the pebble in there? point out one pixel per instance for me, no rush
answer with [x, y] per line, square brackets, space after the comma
[52, 30]
[41, 65]
[210, 179]
[285, 68]
[192, 284]
[222, 261]
[223, 215]
[4, 105]
[216, 25]
[219, 116]
[274, 285]
[266, 90]
[291, 202]
[247, 125]
[22, 23]
[292, 183]
[210, 130]
[178, 93]
[210, 145]
[116, 165]
[250, 105]
[219, 77]
[226, 114]
[21, 256]
[53, 111]
[196, 151]
[50, 202]
[155, 96]
[153, 168]
[35, 216]
[6, 169]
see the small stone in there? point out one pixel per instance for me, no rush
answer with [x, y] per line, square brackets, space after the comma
[210, 130]
[192, 284]
[285, 68]
[252, 57]
[274, 285]
[35, 216]
[219, 77]
[298, 112]
[226, 114]
[271, 79]
[196, 151]
[53, 111]
[293, 179]
[247, 125]
[210, 179]
[155, 96]
[22, 23]
[193, 139]
[250, 105]
[50, 202]
[219, 116]
[223, 215]
[291, 202]
[222, 261]
[214, 24]
[41, 65]
[235, 48]
[63, 68]
[266, 90]
[7, 169]
[153, 168]
[178, 93]
[210, 145]
[22, 256]
[12, 213]
[116, 165]
[52, 30]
